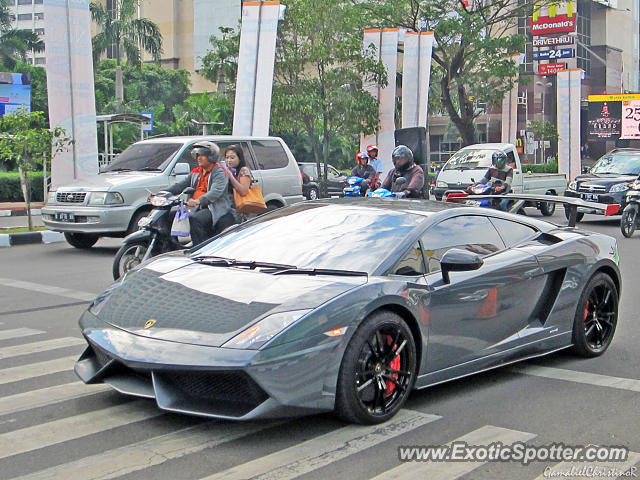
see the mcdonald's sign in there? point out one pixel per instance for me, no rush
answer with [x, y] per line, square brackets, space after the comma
[555, 17]
[519, 146]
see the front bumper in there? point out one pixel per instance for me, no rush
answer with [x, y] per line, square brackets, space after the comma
[211, 381]
[88, 219]
[606, 198]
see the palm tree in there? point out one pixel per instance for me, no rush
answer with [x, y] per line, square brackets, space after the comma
[220, 64]
[127, 34]
[14, 43]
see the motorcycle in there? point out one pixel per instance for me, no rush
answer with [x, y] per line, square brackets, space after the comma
[154, 234]
[384, 193]
[629, 220]
[354, 187]
[485, 189]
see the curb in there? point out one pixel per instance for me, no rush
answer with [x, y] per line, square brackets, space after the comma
[28, 238]
[19, 212]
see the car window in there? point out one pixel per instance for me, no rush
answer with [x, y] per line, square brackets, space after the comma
[333, 171]
[269, 154]
[511, 159]
[310, 170]
[617, 164]
[187, 158]
[513, 233]
[145, 156]
[474, 233]
[411, 263]
[245, 149]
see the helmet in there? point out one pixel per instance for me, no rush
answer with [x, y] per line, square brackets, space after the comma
[372, 147]
[402, 157]
[210, 149]
[499, 160]
[361, 156]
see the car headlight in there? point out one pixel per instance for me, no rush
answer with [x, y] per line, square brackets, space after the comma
[573, 186]
[619, 187]
[260, 333]
[105, 198]
[442, 184]
[51, 196]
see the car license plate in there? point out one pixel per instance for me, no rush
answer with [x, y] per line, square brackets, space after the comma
[64, 217]
[591, 197]
[472, 203]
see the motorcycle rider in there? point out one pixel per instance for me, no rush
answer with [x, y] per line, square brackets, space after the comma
[499, 173]
[210, 197]
[404, 166]
[364, 170]
[376, 163]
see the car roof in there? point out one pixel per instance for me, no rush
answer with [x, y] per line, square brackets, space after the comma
[488, 146]
[211, 138]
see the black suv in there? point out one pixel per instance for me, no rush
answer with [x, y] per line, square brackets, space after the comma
[311, 180]
[607, 181]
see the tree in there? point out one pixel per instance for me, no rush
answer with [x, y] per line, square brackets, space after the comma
[15, 43]
[220, 64]
[543, 131]
[127, 34]
[28, 142]
[204, 107]
[319, 73]
[471, 55]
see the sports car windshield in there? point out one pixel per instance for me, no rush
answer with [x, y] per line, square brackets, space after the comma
[618, 165]
[318, 236]
[145, 156]
[469, 159]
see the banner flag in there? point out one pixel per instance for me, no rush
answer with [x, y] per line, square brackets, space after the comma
[389, 58]
[371, 38]
[70, 87]
[569, 86]
[416, 74]
[247, 67]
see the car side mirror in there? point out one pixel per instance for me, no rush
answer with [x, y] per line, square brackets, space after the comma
[458, 260]
[181, 169]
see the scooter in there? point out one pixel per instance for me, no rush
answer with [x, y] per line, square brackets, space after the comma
[154, 234]
[629, 220]
[354, 187]
[485, 189]
[384, 193]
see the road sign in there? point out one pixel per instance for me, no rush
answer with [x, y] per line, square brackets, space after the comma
[554, 54]
[631, 119]
[551, 41]
[620, 97]
[551, 68]
[147, 126]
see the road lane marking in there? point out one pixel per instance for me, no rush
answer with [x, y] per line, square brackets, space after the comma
[49, 289]
[451, 470]
[565, 469]
[48, 396]
[579, 377]
[37, 347]
[33, 370]
[18, 333]
[328, 448]
[155, 451]
[78, 426]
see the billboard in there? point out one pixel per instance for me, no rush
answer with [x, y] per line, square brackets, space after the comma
[551, 68]
[552, 41]
[604, 121]
[631, 119]
[554, 54]
[15, 92]
[553, 18]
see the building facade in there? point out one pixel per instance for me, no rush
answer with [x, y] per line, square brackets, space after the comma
[29, 15]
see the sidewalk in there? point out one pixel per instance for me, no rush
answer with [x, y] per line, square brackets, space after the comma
[10, 209]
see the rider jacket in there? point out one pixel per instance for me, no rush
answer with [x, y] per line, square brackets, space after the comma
[505, 175]
[367, 172]
[415, 180]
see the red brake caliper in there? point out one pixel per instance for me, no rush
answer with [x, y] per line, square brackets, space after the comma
[395, 365]
[586, 310]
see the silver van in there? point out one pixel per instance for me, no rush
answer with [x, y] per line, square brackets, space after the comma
[111, 203]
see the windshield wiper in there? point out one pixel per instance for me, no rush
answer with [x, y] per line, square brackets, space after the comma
[321, 271]
[119, 169]
[149, 169]
[232, 262]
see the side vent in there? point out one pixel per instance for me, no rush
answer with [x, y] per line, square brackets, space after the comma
[549, 295]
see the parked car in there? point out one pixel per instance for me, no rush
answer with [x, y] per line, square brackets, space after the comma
[111, 203]
[347, 305]
[608, 180]
[469, 165]
[336, 181]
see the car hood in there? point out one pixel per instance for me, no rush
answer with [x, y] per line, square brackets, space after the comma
[106, 181]
[201, 304]
[603, 180]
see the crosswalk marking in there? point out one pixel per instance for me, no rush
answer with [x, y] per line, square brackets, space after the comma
[451, 470]
[65, 429]
[325, 449]
[51, 290]
[579, 377]
[32, 370]
[18, 333]
[36, 347]
[48, 396]
[571, 470]
[155, 451]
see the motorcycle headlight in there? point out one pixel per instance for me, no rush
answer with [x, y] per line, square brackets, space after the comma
[619, 187]
[442, 184]
[573, 186]
[635, 186]
[158, 201]
[105, 198]
[260, 333]
[51, 196]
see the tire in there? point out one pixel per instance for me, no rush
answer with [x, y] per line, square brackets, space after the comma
[81, 240]
[133, 224]
[579, 215]
[372, 387]
[547, 208]
[271, 206]
[313, 194]
[596, 317]
[628, 222]
[128, 257]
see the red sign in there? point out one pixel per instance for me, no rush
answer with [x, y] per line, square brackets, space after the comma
[551, 68]
[550, 41]
[549, 25]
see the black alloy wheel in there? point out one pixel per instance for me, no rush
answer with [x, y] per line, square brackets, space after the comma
[628, 221]
[378, 370]
[596, 317]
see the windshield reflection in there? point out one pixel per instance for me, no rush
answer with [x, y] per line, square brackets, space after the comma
[469, 159]
[318, 236]
[145, 156]
[618, 165]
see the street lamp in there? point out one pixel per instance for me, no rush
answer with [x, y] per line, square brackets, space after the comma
[204, 125]
[544, 90]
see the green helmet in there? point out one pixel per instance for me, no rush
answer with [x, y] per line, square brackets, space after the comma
[499, 160]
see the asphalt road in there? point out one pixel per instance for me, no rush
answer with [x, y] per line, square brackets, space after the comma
[52, 426]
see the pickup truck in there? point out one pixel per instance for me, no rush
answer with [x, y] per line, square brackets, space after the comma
[469, 165]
